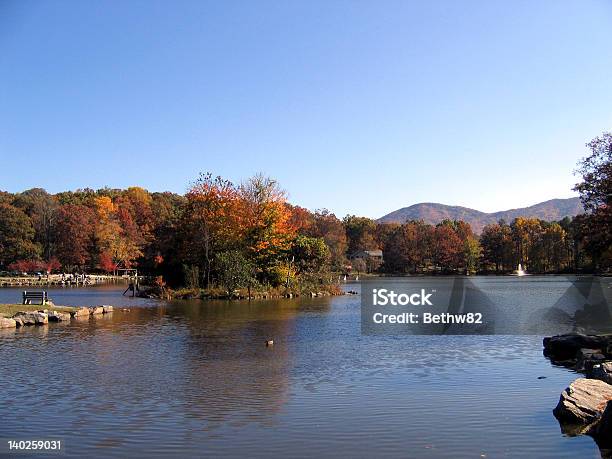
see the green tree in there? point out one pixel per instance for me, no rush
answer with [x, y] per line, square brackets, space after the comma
[16, 236]
[234, 271]
[310, 254]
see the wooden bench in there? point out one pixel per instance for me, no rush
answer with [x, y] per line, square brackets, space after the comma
[28, 297]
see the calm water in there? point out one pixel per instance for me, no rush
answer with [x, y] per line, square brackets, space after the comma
[194, 379]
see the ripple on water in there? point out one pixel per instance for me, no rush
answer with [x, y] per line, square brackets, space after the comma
[187, 379]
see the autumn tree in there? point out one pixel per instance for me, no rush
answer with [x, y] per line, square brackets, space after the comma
[447, 247]
[497, 245]
[301, 219]
[211, 221]
[525, 233]
[327, 226]
[266, 221]
[400, 252]
[360, 233]
[74, 235]
[472, 251]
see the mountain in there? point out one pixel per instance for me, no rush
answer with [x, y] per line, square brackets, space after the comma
[434, 213]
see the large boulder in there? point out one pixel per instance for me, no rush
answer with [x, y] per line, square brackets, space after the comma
[586, 358]
[565, 347]
[81, 312]
[56, 316]
[583, 402]
[106, 308]
[7, 323]
[32, 318]
[96, 310]
[601, 371]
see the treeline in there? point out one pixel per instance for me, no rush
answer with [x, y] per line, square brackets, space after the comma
[239, 235]
[219, 232]
[451, 247]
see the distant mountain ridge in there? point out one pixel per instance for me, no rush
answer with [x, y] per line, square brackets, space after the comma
[433, 213]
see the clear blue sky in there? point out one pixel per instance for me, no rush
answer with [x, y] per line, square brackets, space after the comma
[358, 106]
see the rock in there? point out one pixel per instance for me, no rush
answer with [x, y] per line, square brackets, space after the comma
[55, 316]
[565, 347]
[7, 323]
[106, 309]
[96, 310]
[586, 358]
[583, 401]
[601, 371]
[32, 318]
[81, 312]
[602, 431]
[18, 321]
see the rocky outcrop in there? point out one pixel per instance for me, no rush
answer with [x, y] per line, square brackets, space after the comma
[7, 323]
[586, 358]
[601, 371]
[45, 316]
[55, 316]
[81, 312]
[32, 318]
[585, 407]
[565, 347]
[583, 402]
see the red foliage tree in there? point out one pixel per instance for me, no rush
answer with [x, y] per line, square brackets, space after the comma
[74, 231]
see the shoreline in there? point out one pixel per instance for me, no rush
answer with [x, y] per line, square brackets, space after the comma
[17, 316]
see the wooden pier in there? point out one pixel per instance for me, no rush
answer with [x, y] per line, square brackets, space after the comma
[58, 280]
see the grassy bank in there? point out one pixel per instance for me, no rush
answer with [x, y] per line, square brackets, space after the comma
[9, 310]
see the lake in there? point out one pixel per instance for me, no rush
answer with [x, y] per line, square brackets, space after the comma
[194, 379]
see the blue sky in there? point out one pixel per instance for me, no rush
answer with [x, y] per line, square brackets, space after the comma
[358, 106]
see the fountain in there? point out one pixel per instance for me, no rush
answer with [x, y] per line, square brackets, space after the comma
[519, 271]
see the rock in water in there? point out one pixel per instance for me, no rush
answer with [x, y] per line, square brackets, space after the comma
[106, 309]
[586, 358]
[583, 402]
[7, 323]
[602, 432]
[32, 318]
[81, 312]
[565, 347]
[602, 371]
[56, 316]
[96, 310]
